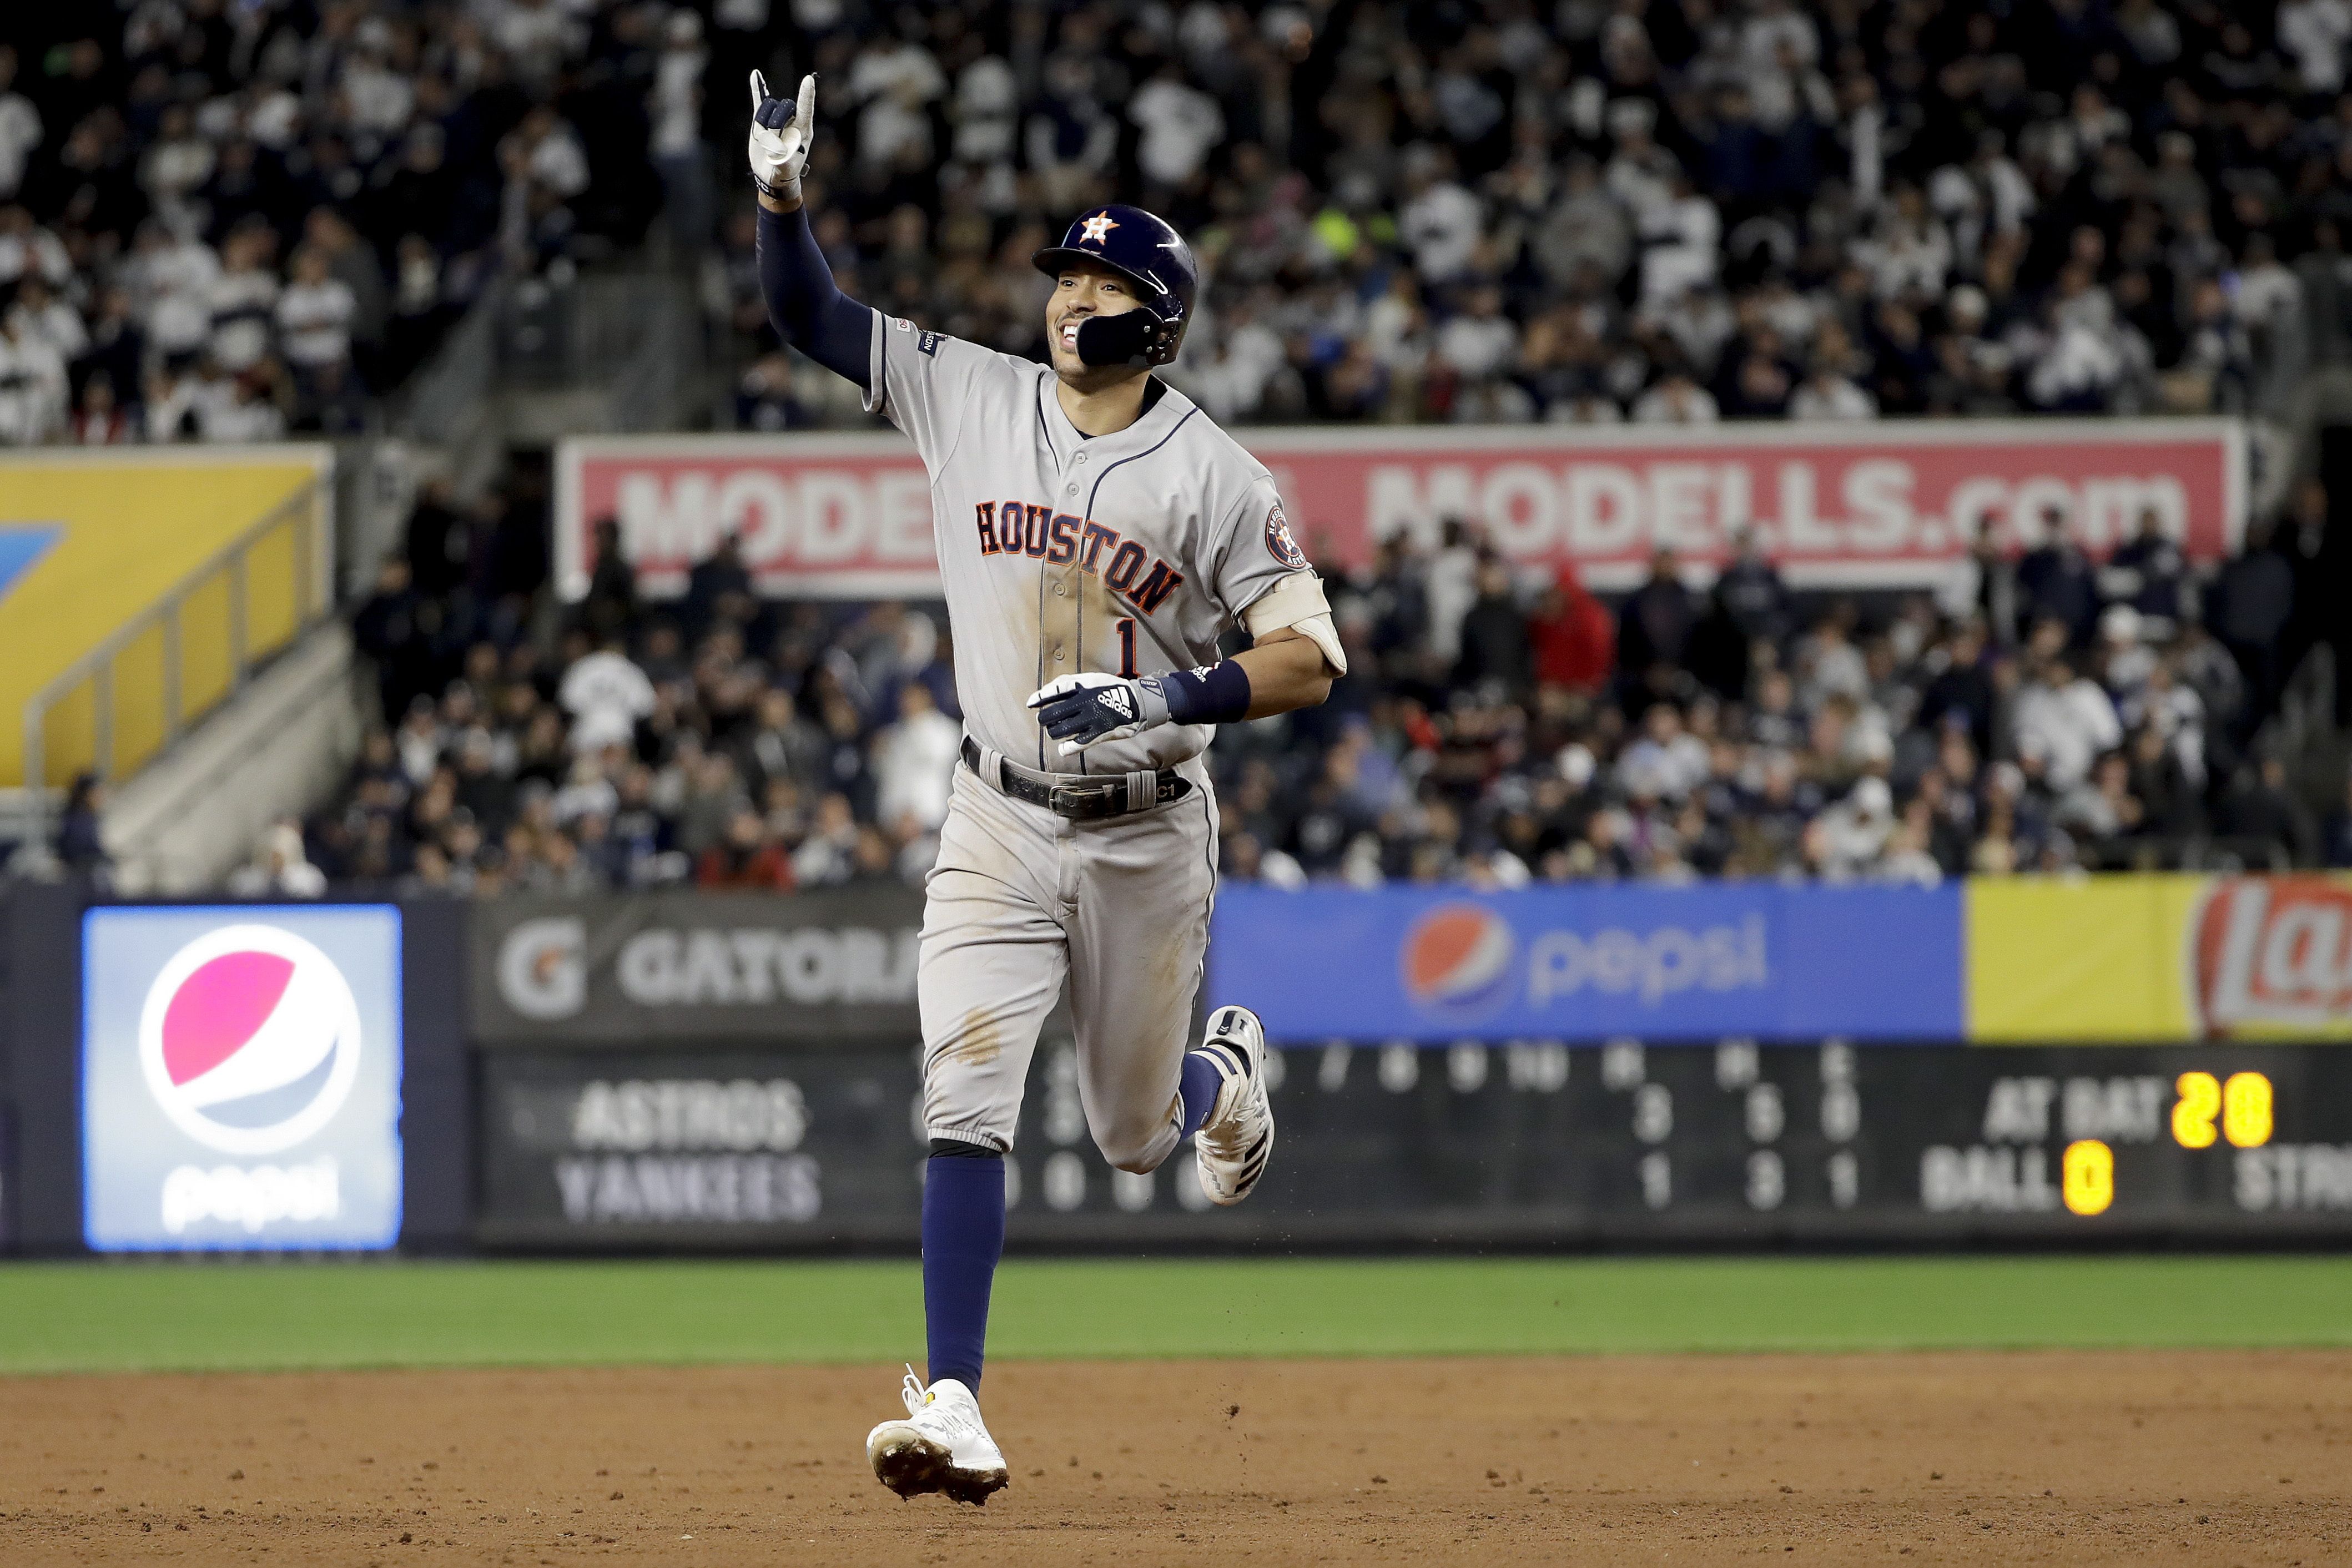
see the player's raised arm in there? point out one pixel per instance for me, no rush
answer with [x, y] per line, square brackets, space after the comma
[813, 314]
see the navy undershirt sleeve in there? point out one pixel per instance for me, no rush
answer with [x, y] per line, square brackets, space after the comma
[813, 315]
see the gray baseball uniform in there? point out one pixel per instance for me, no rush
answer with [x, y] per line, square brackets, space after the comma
[1128, 553]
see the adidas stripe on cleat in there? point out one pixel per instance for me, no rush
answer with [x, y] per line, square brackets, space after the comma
[1238, 1140]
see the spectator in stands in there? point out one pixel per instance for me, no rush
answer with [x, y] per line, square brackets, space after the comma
[80, 842]
[1656, 620]
[914, 762]
[2252, 603]
[2262, 807]
[2063, 723]
[1574, 637]
[747, 858]
[279, 868]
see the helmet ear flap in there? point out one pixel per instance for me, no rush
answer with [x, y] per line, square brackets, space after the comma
[1166, 336]
[1129, 337]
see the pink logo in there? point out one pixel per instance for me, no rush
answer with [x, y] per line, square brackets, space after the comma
[249, 1040]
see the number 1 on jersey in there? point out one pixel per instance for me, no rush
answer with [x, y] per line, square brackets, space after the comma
[1127, 648]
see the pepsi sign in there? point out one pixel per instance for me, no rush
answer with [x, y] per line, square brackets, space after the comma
[1592, 963]
[241, 1078]
[1455, 961]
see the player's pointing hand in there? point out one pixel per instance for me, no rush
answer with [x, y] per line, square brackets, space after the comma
[1080, 710]
[781, 133]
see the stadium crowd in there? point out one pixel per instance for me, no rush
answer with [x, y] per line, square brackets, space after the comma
[2055, 715]
[228, 222]
[221, 219]
[1661, 210]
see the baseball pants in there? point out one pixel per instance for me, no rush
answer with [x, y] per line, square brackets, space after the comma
[1021, 899]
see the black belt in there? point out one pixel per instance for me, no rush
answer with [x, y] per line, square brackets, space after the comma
[1079, 799]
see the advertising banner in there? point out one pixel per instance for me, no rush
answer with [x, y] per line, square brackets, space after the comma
[91, 539]
[1592, 963]
[2172, 957]
[1890, 503]
[814, 967]
[241, 1077]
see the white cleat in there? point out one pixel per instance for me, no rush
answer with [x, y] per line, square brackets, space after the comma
[1235, 1143]
[941, 1446]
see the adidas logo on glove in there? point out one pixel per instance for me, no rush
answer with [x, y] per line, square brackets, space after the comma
[1119, 699]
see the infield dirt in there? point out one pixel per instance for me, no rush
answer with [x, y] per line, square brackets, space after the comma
[2073, 1457]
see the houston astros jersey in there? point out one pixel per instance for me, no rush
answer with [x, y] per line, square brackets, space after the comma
[1062, 554]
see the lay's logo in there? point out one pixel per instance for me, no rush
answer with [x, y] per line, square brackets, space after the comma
[249, 1040]
[2274, 953]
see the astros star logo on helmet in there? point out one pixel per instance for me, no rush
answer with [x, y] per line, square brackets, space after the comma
[1098, 228]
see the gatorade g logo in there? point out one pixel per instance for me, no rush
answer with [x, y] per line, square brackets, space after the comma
[249, 1040]
[1456, 960]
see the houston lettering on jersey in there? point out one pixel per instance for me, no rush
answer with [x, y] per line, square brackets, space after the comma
[1040, 533]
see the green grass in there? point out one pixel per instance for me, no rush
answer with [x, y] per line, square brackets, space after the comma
[149, 1315]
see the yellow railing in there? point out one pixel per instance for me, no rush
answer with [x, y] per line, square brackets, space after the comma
[117, 707]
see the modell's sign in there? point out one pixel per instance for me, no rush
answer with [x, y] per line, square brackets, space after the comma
[819, 966]
[1893, 503]
[2274, 956]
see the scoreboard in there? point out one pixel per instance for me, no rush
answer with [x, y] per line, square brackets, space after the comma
[1831, 1141]
[1522, 1144]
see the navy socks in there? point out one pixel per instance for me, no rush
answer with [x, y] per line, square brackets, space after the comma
[1199, 1087]
[963, 1236]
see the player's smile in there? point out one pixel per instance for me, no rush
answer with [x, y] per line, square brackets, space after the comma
[1079, 293]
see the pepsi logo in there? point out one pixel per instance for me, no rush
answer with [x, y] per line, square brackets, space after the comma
[1457, 959]
[249, 1040]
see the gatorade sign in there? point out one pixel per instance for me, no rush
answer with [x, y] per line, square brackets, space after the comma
[241, 1078]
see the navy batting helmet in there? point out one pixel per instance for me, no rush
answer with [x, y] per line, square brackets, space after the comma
[1147, 253]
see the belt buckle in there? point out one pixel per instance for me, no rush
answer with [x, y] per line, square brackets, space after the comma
[1074, 800]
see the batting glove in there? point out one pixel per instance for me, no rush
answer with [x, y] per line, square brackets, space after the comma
[779, 138]
[1081, 710]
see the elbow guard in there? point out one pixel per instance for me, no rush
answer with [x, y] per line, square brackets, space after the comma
[1297, 603]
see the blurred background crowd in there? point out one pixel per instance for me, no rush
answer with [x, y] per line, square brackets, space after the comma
[1663, 211]
[221, 219]
[229, 219]
[2055, 716]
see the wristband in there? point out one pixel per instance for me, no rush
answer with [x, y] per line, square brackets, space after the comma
[1218, 693]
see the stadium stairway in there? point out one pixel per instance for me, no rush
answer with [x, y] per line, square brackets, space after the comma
[277, 748]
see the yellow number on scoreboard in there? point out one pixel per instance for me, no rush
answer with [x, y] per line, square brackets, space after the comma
[2245, 1111]
[2192, 1114]
[2088, 1177]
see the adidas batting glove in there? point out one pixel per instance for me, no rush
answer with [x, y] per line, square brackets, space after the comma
[1081, 710]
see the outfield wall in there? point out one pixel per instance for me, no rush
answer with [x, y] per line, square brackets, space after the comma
[2143, 1059]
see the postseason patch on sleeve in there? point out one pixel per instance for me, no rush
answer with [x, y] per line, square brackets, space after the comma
[928, 343]
[1279, 540]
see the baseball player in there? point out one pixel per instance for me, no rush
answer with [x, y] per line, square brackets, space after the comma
[1096, 533]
